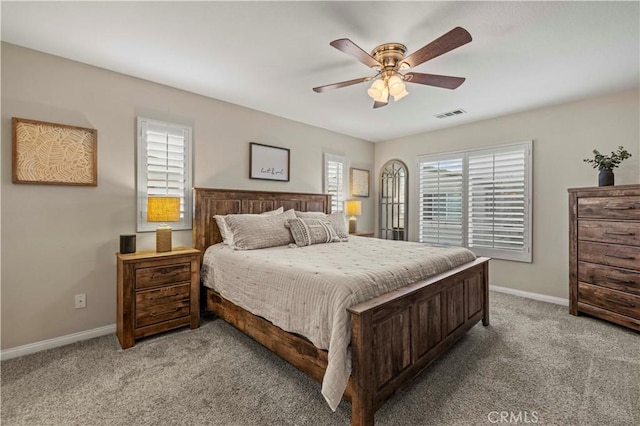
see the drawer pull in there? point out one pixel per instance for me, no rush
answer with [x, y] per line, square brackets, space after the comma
[626, 234]
[154, 314]
[620, 302]
[620, 208]
[618, 280]
[620, 257]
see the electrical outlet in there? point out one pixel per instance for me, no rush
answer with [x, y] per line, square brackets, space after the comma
[81, 301]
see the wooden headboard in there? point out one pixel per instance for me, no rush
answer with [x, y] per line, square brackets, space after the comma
[210, 202]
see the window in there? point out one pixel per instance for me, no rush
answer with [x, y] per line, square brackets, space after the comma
[334, 182]
[478, 199]
[164, 168]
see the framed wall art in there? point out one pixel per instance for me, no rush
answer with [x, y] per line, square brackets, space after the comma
[359, 182]
[268, 162]
[53, 154]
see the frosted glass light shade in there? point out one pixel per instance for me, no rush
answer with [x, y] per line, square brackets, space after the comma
[376, 89]
[400, 95]
[396, 85]
[384, 97]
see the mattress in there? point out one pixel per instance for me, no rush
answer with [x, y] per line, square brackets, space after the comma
[307, 290]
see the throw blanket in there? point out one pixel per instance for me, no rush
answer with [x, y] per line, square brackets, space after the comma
[307, 290]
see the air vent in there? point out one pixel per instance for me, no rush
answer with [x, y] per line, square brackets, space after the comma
[450, 113]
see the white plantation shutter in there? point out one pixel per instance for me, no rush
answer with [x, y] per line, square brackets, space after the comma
[164, 168]
[334, 181]
[479, 199]
[497, 199]
[441, 201]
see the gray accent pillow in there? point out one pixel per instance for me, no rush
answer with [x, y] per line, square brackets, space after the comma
[307, 231]
[259, 231]
[337, 220]
[225, 232]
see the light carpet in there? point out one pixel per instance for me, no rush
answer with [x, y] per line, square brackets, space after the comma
[534, 362]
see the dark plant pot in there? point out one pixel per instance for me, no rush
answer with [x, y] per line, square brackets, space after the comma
[605, 178]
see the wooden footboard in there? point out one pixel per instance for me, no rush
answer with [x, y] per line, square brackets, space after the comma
[398, 334]
[394, 336]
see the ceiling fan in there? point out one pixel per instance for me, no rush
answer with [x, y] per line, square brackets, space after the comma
[390, 61]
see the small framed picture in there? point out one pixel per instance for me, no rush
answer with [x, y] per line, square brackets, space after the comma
[359, 182]
[268, 162]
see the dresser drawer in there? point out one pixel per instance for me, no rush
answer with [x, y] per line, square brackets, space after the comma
[161, 275]
[627, 257]
[612, 300]
[609, 207]
[154, 306]
[627, 233]
[613, 278]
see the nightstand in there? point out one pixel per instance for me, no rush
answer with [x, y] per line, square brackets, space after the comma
[157, 292]
[363, 234]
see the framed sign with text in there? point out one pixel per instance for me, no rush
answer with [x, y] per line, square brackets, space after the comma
[268, 162]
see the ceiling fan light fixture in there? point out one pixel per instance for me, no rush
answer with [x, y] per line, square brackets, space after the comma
[376, 89]
[384, 97]
[390, 61]
[396, 85]
[400, 95]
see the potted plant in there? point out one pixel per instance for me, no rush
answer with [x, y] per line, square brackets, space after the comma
[606, 164]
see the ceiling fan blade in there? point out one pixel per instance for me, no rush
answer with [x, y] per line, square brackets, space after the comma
[322, 89]
[451, 40]
[350, 48]
[377, 104]
[443, 81]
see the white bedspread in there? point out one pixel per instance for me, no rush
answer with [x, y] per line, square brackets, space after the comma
[307, 290]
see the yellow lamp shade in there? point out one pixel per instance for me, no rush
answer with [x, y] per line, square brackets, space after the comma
[163, 209]
[353, 208]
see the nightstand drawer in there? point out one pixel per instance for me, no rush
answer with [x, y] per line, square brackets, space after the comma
[610, 207]
[627, 257]
[160, 275]
[162, 296]
[160, 305]
[612, 300]
[627, 233]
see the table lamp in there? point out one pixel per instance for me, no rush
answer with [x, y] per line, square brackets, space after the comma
[163, 209]
[353, 208]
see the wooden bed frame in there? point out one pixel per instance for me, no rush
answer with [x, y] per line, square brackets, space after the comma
[394, 336]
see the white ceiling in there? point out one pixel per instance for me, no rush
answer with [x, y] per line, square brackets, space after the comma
[268, 55]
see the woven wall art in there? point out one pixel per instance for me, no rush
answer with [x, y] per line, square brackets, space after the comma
[55, 154]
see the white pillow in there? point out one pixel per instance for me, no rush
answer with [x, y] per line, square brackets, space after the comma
[225, 232]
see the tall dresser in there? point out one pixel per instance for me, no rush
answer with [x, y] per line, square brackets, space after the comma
[604, 253]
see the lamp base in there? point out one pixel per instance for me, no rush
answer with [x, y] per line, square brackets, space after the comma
[353, 224]
[163, 239]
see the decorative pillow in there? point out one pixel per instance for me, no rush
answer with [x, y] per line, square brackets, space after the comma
[307, 231]
[337, 220]
[259, 231]
[225, 232]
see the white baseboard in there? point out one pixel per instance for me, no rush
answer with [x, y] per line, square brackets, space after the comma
[108, 329]
[529, 295]
[56, 342]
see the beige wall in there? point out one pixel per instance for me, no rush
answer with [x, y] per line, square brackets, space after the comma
[562, 136]
[58, 241]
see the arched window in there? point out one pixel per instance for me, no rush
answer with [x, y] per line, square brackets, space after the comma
[393, 201]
